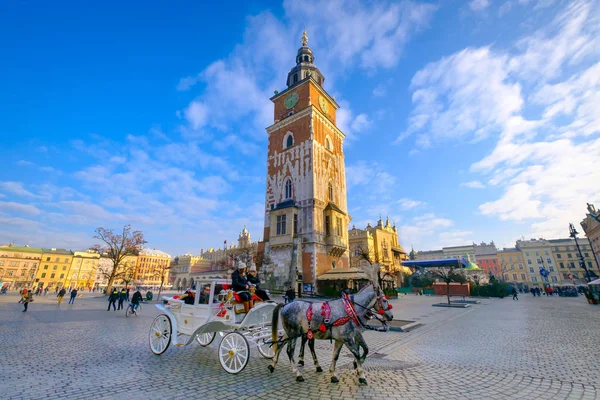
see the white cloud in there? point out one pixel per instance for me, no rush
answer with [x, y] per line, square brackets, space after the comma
[504, 8]
[545, 163]
[16, 188]
[479, 5]
[473, 185]
[196, 114]
[466, 94]
[407, 204]
[19, 208]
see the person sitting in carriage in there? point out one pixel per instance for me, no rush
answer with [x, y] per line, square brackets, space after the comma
[253, 279]
[239, 283]
[205, 295]
[188, 297]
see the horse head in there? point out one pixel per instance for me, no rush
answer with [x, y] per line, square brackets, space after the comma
[383, 306]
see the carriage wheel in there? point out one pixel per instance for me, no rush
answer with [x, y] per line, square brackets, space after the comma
[265, 350]
[160, 334]
[204, 339]
[234, 352]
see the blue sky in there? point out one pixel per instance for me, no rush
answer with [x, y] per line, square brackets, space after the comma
[465, 120]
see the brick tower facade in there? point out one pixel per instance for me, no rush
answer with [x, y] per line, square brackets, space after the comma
[306, 214]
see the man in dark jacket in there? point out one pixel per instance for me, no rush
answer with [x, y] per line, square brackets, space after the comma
[61, 294]
[239, 283]
[73, 295]
[136, 300]
[122, 297]
[112, 299]
[127, 298]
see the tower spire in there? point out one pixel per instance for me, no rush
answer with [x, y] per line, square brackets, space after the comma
[304, 39]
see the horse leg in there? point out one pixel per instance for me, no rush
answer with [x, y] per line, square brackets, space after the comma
[277, 348]
[301, 355]
[354, 347]
[311, 346]
[290, 350]
[337, 347]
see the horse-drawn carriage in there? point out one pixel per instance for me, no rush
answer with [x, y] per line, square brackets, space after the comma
[180, 324]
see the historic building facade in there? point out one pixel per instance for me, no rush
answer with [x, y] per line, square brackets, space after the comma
[152, 267]
[84, 267]
[537, 254]
[54, 268]
[568, 262]
[306, 217]
[18, 266]
[381, 244]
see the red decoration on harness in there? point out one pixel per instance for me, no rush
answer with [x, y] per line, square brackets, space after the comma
[310, 335]
[322, 328]
[341, 321]
[309, 314]
[389, 306]
[326, 312]
[380, 312]
[350, 309]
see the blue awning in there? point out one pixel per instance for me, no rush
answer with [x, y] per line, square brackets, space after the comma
[442, 263]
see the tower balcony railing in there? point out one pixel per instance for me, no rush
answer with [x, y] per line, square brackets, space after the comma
[335, 245]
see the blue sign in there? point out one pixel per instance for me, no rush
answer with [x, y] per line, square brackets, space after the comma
[544, 272]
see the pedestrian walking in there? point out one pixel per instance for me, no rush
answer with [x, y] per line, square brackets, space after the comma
[515, 294]
[127, 298]
[46, 291]
[56, 290]
[60, 295]
[112, 299]
[73, 295]
[26, 298]
[122, 297]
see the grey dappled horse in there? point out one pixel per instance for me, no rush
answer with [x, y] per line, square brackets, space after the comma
[347, 319]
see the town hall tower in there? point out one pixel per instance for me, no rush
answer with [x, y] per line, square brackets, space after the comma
[306, 213]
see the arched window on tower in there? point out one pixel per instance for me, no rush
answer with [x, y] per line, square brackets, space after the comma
[288, 140]
[295, 78]
[305, 58]
[328, 144]
[288, 189]
[330, 192]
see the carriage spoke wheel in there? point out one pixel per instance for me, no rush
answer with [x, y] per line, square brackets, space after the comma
[265, 350]
[160, 334]
[234, 352]
[204, 339]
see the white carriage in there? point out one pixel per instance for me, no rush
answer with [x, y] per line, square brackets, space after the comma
[180, 324]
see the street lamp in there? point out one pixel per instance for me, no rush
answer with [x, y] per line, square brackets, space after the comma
[573, 233]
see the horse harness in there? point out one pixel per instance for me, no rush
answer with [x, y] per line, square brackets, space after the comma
[352, 315]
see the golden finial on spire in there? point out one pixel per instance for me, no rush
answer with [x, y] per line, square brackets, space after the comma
[304, 39]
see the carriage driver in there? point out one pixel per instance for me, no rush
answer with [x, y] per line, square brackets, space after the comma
[240, 285]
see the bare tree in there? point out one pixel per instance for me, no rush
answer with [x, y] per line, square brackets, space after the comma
[449, 275]
[161, 273]
[126, 274]
[117, 247]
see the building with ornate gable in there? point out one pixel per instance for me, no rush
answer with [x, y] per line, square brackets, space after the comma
[591, 227]
[306, 215]
[18, 266]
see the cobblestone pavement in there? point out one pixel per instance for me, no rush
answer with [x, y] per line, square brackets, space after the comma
[542, 348]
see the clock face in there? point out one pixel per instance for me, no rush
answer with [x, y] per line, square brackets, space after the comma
[323, 104]
[291, 100]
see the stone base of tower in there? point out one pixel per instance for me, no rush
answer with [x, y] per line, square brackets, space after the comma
[299, 266]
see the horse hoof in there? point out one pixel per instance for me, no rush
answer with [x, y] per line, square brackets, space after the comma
[362, 380]
[271, 368]
[334, 379]
[301, 363]
[319, 369]
[299, 379]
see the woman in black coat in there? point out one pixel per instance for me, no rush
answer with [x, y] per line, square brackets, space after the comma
[239, 282]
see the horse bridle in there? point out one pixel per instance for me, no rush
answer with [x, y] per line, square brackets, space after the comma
[369, 314]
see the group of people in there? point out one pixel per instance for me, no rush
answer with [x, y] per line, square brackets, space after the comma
[119, 296]
[241, 282]
[27, 296]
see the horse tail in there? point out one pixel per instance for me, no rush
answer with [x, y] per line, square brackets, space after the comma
[275, 323]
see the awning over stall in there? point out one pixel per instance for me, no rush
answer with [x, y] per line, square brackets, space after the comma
[343, 274]
[441, 263]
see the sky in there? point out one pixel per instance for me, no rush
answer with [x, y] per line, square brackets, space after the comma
[465, 121]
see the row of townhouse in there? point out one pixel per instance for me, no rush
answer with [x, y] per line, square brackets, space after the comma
[35, 267]
[530, 262]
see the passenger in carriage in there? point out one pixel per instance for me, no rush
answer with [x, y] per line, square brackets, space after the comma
[239, 283]
[253, 279]
[205, 295]
[188, 297]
